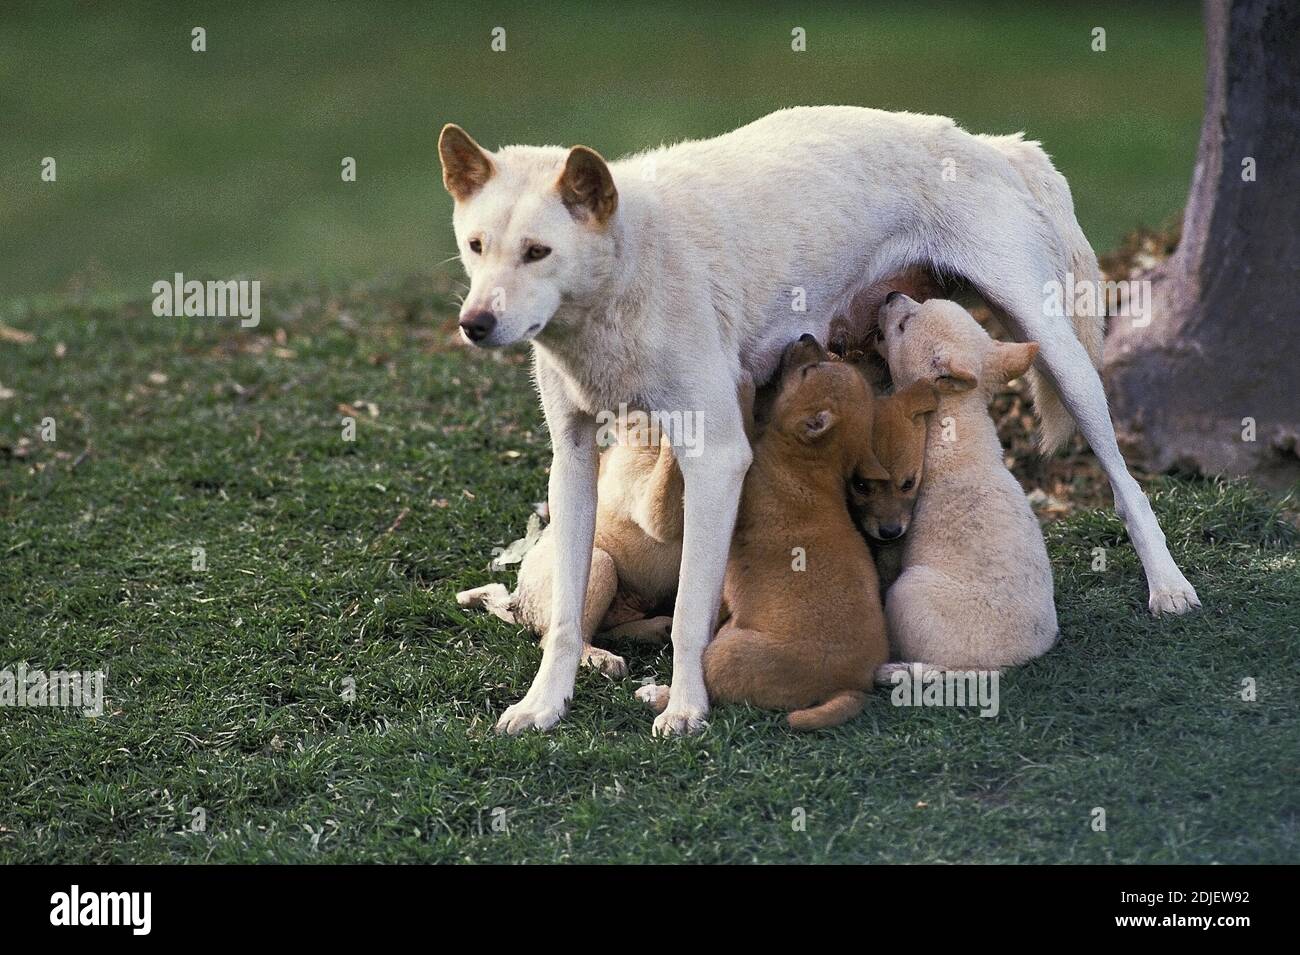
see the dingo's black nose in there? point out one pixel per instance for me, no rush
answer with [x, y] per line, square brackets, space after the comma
[889, 532]
[478, 325]
[807, 338]
[892, 295]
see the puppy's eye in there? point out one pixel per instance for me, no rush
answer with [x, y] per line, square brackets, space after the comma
[535, 253]
[861, 485]
[476, 246]
[907, 485]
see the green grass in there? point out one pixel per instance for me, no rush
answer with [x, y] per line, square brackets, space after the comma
[228, 161]
[225, 687]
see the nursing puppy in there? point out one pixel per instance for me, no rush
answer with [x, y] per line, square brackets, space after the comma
[634, 562]
[883, 508]
[976, 587]
[805, 630]
[657, 281]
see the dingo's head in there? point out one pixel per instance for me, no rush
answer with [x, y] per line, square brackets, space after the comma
[883, 509]
[940, 342]
[534, 226]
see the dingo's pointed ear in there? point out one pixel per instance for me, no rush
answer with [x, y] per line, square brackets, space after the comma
[919, 398]
[586, 185]
[816, 425]
[465, 165]
[952, 376]
[1012, 359]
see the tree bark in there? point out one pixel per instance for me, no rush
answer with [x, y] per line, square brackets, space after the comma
[1223, 341]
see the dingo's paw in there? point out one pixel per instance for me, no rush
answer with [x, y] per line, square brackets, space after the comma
[1177, 597]
[530, 714]
[680, 719]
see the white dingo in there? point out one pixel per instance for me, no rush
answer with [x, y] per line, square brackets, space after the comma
[660, 280]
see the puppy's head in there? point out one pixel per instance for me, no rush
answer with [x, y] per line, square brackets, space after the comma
[823, 411]
[534, 226]
[883, 508]
[938, 341]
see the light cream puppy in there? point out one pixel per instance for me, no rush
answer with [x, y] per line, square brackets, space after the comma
[976, 587]
[635, 558]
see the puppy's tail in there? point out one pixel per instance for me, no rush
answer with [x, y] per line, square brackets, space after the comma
[1078, 268]
[840, 708]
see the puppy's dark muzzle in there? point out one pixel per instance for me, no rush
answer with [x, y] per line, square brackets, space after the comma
[807, 350]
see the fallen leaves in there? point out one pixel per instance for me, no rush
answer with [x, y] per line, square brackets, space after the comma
[15, 335]
[515, 550]
[355, 409]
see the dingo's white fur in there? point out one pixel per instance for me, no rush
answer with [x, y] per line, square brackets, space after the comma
[657, 280]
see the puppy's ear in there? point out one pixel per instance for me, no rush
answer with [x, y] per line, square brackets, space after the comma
[919, 398]
[815, 426]
[871, 469]
[952, 376]
[586, 185]
[1011, 359]
[465, 165]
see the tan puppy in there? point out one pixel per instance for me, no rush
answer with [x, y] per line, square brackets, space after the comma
[883, 509]
[635, 561]
[806, 630]
[976, 587]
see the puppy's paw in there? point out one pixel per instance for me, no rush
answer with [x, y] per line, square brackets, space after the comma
[1177, 597]
[610, 664]
[885, 672]
[529, 714]
[494, 598]
[680, 719]
[480, 596]
[655, 697]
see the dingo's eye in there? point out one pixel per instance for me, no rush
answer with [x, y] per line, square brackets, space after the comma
[907, 485]
[476, 246]
[535, 253]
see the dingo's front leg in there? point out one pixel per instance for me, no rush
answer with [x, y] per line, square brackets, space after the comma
[572, 496]
[713, 468]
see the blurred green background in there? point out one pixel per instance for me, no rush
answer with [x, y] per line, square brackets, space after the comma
[228, 162]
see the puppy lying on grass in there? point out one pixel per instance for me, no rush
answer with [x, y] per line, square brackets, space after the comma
[806, 630]
[976, 586]
[635, 561]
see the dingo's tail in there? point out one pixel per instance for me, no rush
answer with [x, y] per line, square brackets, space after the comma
[840, 708]
[1052, 193]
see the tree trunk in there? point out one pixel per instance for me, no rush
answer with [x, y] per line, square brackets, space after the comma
[1222, 347]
